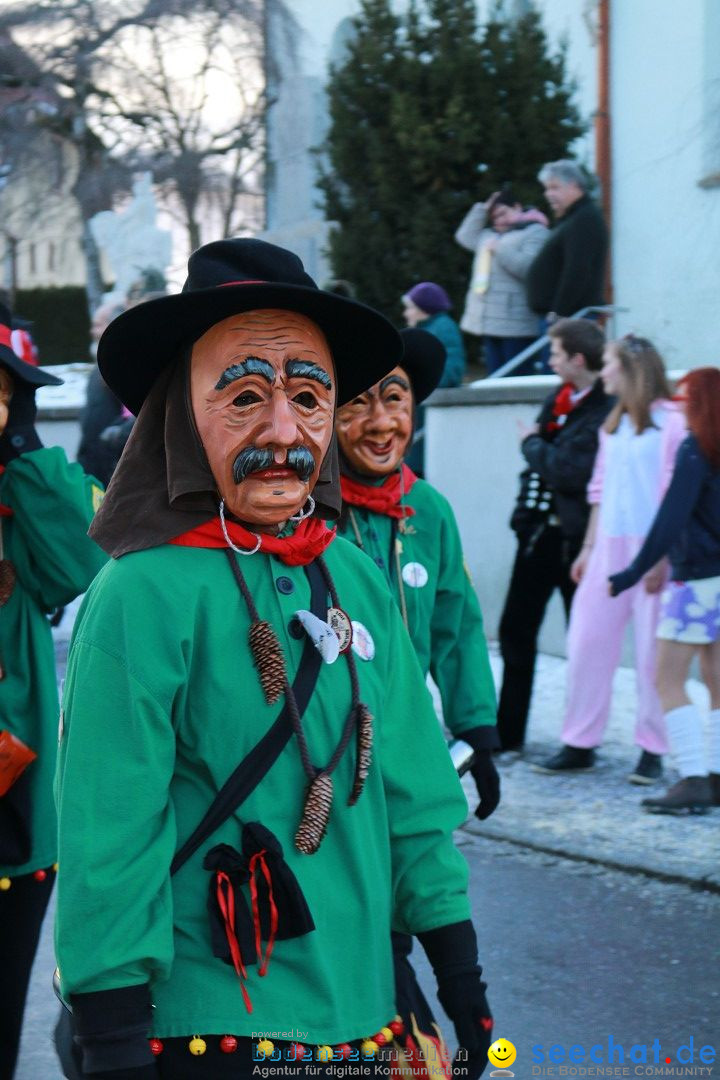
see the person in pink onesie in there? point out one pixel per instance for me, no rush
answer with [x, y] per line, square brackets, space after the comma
[638, 444]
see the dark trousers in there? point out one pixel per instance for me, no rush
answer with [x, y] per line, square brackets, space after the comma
[498, 350]
[22, 910]
[542, 564]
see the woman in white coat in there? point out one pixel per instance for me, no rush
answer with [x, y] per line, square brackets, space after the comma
[505, 239]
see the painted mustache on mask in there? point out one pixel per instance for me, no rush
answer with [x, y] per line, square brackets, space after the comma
[251, 459]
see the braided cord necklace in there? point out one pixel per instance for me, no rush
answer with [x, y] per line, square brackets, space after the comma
[269, 660]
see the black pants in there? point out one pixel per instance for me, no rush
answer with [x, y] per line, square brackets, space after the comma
[542, 564]
[22, 910]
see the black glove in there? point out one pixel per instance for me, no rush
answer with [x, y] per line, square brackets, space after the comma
[57, 616]
[463, 999]
[111, 1028]
[20, 435]
[484, 739]
[487, 782]
[116, 435]
[452, 951]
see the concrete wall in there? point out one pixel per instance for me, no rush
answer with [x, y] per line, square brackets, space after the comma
[60, 431]
[473, 457]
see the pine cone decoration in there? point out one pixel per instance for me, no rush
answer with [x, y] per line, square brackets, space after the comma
[316, 812]
[269, 660]
[364, 737]
[7, 580]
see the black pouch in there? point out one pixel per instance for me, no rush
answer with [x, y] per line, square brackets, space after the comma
[277, 896]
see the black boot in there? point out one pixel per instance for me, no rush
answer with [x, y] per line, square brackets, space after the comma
[647, 770]
[715, 786]
[569, 759]
[691, 795]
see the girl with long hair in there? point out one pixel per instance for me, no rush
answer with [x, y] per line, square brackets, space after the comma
[638, 444]
[687, 527]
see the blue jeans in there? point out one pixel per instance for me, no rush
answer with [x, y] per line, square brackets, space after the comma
[498, 350]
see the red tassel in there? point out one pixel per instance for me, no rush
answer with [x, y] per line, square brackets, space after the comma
[258, 859]
[226, 903]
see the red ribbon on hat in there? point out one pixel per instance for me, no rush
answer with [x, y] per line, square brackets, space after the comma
[259, 281]
[384, 498]
[5, 336]
[5, 511]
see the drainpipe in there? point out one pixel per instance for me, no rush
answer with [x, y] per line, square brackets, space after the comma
[603, 147]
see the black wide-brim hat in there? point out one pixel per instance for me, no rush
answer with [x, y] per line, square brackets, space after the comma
[229, 277]
[423, 359]
[20, 369]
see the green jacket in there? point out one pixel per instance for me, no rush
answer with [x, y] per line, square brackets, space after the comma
[443, 615]
[54, 559]
[161, 703]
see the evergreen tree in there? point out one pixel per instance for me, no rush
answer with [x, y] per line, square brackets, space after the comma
[428, 114]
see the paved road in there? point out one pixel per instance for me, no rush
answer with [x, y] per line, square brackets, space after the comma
[573, 954]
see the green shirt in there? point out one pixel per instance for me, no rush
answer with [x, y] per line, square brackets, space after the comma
[54, 559]
[443, 615]
[161, 703]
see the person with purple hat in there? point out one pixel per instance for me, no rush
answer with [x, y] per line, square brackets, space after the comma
[46, 560]
[427, 307]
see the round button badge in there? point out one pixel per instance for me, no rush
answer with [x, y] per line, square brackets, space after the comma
[362, 641]
[415, 575]
[340, 622]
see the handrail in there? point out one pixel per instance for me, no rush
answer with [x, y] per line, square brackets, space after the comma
[541, 342]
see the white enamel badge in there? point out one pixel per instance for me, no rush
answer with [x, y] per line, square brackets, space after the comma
[415, 575]
[362, 641]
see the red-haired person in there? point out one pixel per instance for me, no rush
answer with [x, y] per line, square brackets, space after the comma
[687, 527]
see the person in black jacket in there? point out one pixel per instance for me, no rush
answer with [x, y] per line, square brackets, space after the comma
[102, 408]
[551, 510]
[568, 272]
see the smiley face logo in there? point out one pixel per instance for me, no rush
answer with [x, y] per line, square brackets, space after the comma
[502, 1053]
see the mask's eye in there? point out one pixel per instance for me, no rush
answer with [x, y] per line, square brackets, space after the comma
[248, 398]
[306, 399]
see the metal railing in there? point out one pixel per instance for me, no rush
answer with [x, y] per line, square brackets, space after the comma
[539, 345]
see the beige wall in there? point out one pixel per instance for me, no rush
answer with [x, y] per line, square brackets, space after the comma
[472, 456]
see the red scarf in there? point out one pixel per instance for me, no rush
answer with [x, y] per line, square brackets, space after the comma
[308, 541]
[5, 511]
[563, 405]
[384, 499]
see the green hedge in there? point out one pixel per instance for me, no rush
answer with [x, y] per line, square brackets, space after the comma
[61, 324]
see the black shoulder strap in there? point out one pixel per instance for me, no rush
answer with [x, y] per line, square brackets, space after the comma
[264, 754]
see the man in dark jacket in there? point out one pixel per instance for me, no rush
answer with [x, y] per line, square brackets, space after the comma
[102, 408]
[568, 272]
[551, 510]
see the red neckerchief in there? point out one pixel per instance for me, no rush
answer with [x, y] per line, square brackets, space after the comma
[308, 541]
[383, 499]
[562, 405]
[5, 511]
